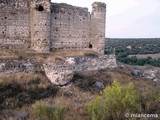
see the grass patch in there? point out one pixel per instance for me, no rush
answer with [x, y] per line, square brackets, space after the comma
[19, 90]
[47, 112]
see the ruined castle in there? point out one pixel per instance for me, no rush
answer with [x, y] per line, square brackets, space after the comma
[41, 26]
[45, 26]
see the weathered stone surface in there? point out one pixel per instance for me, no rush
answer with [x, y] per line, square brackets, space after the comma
[95, 63]
[61, 70]
[99, 85]
[151, 74]
[137, 73]
[143, 72]
[44, 26]
[15, 66]
[60, 74]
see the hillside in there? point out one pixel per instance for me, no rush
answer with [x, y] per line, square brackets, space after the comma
[19, 93]
[135, 51]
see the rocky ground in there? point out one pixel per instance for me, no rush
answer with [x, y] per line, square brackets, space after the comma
[18, 93]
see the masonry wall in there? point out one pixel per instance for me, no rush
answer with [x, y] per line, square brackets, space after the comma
[70, 27]
[97, 26]
[40, 25]
[14, 24]
[44, 26]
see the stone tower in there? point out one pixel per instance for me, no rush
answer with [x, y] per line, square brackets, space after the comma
[40, 28]
[97, 27]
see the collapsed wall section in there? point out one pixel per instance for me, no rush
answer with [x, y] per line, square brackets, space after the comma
[70, 27]
[14, 24]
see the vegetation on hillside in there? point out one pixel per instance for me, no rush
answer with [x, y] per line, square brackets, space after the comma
[118, 100]
[134, 46]
[125, 47]
[47, 112]
[141, 62]
[115, 101]
[35, 95]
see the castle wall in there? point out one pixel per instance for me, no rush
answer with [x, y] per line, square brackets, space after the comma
[44, 26]
[70, 27]
[97, 25]
[40, 25]
[14, 24]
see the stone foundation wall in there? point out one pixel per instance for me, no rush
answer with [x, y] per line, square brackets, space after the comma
[62, 73]
[95, 63]
[17, 66]
[79, 64]
[84, 63]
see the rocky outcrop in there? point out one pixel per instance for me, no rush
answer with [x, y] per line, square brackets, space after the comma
[99, 85]
[60, 73]
[60, 70]
[143, 72]
[137, 73]
[95, 63]
[151, 74]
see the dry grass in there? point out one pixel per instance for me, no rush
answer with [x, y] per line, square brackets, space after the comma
[25, 89]
[19, 90]
[32, 53]
[74, 100]
[42, 57]
[57, 60]
[25, 78]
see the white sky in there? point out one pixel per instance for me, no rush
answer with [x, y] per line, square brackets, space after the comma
[127, 18]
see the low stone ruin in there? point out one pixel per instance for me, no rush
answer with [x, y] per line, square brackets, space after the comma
[62, 71]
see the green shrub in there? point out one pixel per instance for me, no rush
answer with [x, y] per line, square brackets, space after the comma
[141, 61]
[115, 101]
[46, 112]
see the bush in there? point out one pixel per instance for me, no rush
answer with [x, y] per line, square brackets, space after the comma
[115, 101]
[46, 112]
[150, 102]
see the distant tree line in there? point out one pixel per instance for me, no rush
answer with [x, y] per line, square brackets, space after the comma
[141, 62]
[124, 47]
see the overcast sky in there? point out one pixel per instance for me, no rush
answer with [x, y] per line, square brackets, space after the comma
[127, 18]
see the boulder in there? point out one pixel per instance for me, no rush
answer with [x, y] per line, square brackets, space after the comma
[61, 70]
[60, 73]
[99, 85]
[155, 80]
[137, 73]
[150, 74]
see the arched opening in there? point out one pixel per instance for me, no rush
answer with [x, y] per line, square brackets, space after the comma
[40, 8]
[90, 46]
